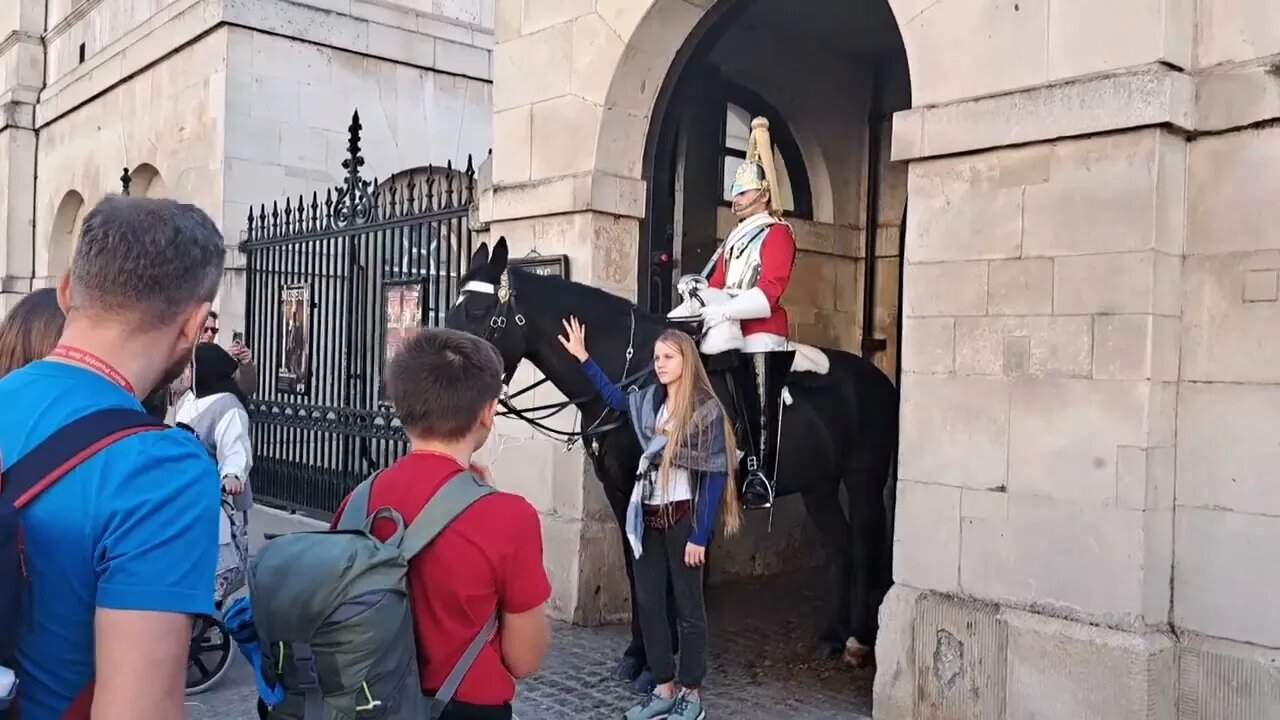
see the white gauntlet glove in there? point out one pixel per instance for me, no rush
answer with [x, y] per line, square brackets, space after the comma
[749, 305]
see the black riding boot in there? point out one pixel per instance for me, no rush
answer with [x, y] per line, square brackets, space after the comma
[769, 371]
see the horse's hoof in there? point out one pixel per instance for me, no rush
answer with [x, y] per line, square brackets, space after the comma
[644, 684]
[857, 655]
[628, 669]
[828, 650]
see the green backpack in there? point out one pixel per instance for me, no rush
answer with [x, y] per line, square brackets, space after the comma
[332, 611]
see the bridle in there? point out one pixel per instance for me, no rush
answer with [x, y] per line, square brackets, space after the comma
[506, 308]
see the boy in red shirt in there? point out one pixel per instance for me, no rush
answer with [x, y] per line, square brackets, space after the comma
[445, 386]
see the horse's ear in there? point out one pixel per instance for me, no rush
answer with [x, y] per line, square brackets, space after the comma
[499, 259]
[479, 258]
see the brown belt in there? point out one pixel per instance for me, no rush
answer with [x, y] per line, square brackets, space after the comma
[665, 517]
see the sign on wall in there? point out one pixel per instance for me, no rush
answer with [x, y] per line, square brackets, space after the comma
[294, 374]
[554, 265]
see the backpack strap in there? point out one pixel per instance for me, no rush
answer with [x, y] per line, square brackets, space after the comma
[450, 501]
[68, 447]
[356, 512]
[459, 671]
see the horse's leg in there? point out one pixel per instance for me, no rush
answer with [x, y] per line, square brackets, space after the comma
[823, 505]
[865, 485]
[633, 659]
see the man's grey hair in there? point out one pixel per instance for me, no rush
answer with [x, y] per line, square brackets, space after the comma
[146, 257]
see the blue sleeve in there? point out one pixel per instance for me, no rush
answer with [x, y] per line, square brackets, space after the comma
[610, 393]
[710, 493]
[157, 538]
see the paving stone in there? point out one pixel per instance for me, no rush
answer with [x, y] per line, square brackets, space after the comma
[760, 666]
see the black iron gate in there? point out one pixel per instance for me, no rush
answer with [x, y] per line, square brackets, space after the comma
[330, 284]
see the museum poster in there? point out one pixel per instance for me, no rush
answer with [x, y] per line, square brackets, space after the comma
[294, 373]
[402, 314]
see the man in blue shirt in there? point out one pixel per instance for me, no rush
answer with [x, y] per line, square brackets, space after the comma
[122, 550]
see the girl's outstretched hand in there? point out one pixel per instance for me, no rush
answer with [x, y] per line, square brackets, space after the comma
[575, 338]
[694, 555]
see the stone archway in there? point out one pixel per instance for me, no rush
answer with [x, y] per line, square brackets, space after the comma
[146, 181]
[64, 235]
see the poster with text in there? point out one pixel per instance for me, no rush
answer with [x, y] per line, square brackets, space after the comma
[294, 373]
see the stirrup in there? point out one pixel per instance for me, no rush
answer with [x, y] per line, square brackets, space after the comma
[753, 481]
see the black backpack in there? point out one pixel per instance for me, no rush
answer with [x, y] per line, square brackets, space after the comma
[20, 484]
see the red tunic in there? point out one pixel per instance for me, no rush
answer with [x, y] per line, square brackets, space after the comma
[777, 258]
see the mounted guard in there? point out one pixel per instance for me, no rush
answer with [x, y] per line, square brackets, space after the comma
[753, 268]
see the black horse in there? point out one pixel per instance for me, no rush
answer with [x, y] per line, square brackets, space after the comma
[841, 429]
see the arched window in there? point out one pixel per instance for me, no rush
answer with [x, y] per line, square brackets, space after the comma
[741, 106]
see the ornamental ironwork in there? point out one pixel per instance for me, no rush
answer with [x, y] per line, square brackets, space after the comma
[317, 271]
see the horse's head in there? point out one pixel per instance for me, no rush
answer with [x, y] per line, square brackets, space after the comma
[486, 306]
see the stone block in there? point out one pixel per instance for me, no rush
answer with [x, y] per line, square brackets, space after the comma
[507, 18]
[1056, 345]
[952, 288]
[562, 132]
[1236, 96]
[1234, 30]
[303, 147]
[1020, 287]
[960, 651]
[1018, 559]
[526, 468]
[960, 210]
[623, 15]
[927, 516]
[596, 51]
[1063, 669]
[1224, 570]
[1230, 203]
[1229, 447]
[894, 693]
[928, 345]
[955, 430]
[849, 281]
[1092, 36]
[513, 143]
[1135, 347]
[561, 551]
[1225, 337]
[462, 59]
[542, 14]
[1223, 680]
[282, 58]
[1117, 283]
[1064, 435]
[604, 597]
[1090, 204]
[614, 248]
[1013, 54]
[1139, 98]
[1145, 478]
[550, 51]
[813, 282]
[618, 152]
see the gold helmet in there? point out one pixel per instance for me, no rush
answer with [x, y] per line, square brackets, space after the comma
[757, 171]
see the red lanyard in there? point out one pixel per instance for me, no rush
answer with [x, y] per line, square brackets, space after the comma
[93, 362]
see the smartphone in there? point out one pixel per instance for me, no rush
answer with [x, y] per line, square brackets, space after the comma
[237, 338]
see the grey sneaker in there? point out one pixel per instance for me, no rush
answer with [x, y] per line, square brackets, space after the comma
[687, 707]
[654, 707]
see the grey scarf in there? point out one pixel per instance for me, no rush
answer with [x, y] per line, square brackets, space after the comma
[706, 452]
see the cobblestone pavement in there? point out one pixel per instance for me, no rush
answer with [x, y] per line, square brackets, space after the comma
[761, 666]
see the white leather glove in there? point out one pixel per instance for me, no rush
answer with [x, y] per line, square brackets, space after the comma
[749, 305]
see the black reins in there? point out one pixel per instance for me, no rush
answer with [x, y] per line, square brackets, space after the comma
[506, 306]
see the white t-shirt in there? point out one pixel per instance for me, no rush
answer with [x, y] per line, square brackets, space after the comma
[677, 484]
[231, 436]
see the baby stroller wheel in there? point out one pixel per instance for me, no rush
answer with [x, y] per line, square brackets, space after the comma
[210, 655]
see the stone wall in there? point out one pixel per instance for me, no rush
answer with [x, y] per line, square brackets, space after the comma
[1085, 415]
[422, 69]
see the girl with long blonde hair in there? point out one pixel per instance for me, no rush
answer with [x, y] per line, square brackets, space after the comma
[685, 486]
